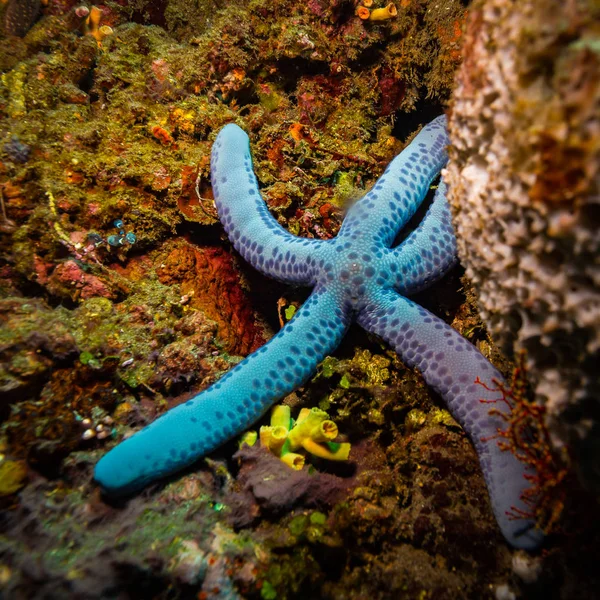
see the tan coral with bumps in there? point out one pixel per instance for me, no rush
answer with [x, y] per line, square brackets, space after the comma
[524, 179]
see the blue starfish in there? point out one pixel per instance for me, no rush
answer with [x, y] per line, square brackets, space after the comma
[356, 276]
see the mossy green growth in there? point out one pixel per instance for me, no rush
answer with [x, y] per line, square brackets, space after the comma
[327, 367]
[287, 575]
[13, 84]
[442, 416]
[267, 591]
[102, 333]
[344, 382]
[140, 537]
[318, 518]
[308, 527]
[13, 475]
[298, 525]
[375, 367]
[270, 98]
[345, 189]
[138, 375]
[325, 403]
[89, 360]
[375, 416]
[294, 227]
[415, 420]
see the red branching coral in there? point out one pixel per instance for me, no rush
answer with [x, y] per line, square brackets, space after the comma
[527, 437]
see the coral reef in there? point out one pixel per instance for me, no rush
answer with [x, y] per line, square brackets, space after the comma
[121, 130]
[19, 16]
[209, 280]
[524, 183]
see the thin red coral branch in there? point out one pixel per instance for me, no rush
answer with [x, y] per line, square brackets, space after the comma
[527, 437]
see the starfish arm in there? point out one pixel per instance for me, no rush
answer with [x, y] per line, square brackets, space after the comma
[451, 366]
[428, 253]
[397, 194]
[253, 230]
[193, 429]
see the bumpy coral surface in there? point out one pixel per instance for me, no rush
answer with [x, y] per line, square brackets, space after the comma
[524, 178]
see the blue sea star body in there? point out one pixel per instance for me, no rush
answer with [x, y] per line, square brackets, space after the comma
[358, 276]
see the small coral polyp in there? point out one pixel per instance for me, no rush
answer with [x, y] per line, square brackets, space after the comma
[378, 14]
[357, 276]
[92, 24]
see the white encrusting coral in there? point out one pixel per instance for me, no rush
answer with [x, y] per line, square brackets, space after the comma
[524, 183]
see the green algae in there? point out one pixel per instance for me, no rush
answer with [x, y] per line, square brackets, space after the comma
[13, 84]
[318, 518]
[267, 591]
[290, 311]
[142, 74]
[139, 536]
[109, 339]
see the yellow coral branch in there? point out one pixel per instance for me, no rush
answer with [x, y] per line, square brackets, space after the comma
[328, 451]
[273, 438]
[281, 416]
[308, 425]
[293, 460]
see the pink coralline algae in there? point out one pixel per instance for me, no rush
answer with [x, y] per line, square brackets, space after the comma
[78, 284]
